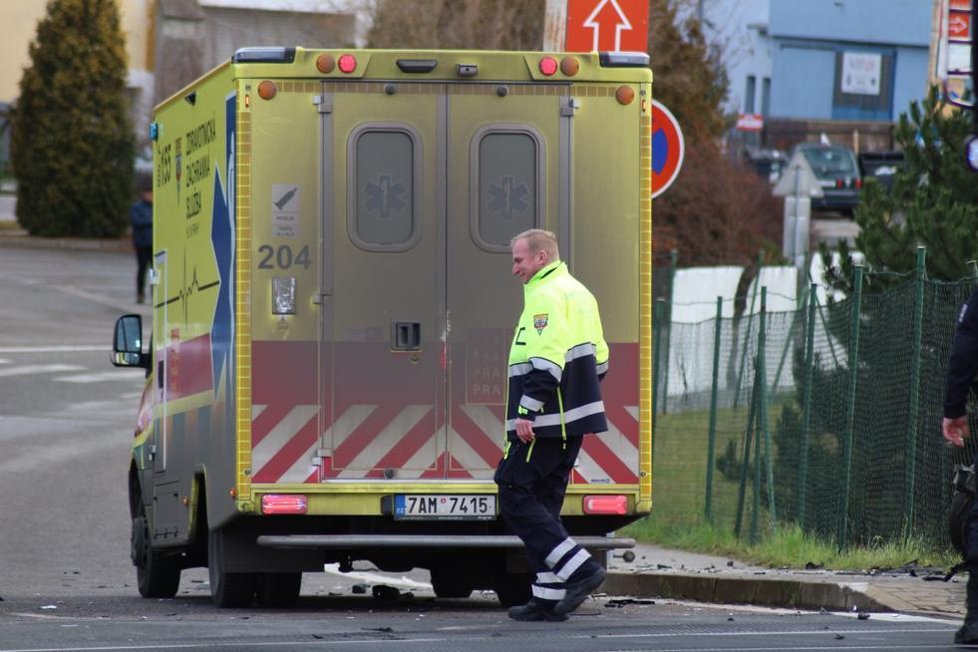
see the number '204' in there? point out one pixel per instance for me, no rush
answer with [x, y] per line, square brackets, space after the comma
[282, 257]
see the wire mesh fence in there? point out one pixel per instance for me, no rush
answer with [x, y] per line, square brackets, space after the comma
[827, 417]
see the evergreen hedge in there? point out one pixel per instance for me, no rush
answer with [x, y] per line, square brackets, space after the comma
[71, 139]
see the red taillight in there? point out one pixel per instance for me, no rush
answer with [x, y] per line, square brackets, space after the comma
[548, 66]
[859, 184]
[284, 504]
[614, 505]
[347, 63]
[839, 183]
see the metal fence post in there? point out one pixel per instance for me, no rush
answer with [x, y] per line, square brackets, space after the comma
[657, 336]
[850, 406]
[762, 428]
[750, 320]
[914, 408]
[806, 405]
[756, 486]
[667, 324]
[714, 391]
[744, 466]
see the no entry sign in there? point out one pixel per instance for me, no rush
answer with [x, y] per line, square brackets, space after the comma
[668, 148]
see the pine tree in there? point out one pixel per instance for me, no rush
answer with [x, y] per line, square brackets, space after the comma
[71, 140]
[934, 203]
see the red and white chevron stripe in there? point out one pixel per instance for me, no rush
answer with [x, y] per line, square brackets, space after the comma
[293, 440]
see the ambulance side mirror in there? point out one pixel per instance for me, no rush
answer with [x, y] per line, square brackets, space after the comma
[127, 344]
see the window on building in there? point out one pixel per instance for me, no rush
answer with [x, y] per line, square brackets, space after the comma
[749, 93]
[766, 96]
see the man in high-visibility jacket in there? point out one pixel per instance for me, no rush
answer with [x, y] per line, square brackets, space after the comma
[556, 362]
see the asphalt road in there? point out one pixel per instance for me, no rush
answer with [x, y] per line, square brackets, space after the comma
[66, 582]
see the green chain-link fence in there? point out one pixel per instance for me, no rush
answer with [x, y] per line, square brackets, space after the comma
[827, 417]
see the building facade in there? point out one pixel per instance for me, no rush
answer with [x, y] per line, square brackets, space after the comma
[848, 59]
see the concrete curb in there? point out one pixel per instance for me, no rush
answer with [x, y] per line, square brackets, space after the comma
[769, 592]
[18, 238]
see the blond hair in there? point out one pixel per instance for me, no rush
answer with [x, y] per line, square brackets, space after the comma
[537, 239]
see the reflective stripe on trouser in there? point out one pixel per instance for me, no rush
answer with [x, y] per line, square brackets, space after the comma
[531, 493]
[548, 587]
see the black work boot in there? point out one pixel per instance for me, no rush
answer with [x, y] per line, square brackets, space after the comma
[968, 633]
[581, 584]
[536, 610]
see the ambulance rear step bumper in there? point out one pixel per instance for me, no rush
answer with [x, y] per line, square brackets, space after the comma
[422, 541]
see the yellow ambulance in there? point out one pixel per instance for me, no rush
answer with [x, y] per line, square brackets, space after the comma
[333, 307]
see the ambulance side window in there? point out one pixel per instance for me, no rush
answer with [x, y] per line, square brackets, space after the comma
[507, 170]
[383, 188]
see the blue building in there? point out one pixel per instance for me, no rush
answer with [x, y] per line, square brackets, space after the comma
[848, 59]
[844, 68]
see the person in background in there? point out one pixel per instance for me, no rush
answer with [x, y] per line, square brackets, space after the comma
[962, 370]
[557, 360]
[141, 217]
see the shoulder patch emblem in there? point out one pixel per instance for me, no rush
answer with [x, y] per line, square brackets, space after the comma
[540, 322]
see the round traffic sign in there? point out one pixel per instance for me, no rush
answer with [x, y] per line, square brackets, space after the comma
[971, 150]
[668, 148]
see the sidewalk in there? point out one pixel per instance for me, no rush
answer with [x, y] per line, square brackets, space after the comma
[657, 572]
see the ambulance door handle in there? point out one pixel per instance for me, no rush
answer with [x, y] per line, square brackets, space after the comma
[406, 336]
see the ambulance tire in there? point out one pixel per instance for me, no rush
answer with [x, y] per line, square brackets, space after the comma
[513, 589]
[450, 582]
[278, 590]
[157, 576]
[232, 590]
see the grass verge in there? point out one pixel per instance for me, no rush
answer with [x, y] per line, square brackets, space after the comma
[679, 496]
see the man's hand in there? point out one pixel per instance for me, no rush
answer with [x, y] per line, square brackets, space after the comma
[524, 430]
[955, 430]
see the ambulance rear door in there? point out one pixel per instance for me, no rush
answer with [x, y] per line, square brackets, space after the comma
[383, 366]
[508, 166]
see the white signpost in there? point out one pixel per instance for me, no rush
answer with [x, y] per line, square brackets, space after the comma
[797, 185]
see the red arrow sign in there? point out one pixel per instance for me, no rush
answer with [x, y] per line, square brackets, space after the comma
[607, 25]
[959, 26]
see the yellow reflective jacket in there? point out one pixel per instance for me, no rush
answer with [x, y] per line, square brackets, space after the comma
[557, 358]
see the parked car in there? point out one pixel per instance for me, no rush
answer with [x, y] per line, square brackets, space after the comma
[881, 165]
[837, 172]
[767, 163]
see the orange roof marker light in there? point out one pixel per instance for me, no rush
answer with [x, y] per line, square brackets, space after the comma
[625, 95]
[325, 63]
[570, 66]
[267, 90]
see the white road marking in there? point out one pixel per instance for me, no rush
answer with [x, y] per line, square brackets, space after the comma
[66, 348]
[38, 369]
[127, 375]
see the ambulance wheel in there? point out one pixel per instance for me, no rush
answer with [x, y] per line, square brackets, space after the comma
[278, 590]
[513, 589]
[227, 589]
[157, 576]
[450, 583]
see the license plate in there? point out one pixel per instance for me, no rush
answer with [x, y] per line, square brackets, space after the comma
[461, 507]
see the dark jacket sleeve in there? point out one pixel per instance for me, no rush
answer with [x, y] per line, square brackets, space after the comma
[963, 364]
[141, 215]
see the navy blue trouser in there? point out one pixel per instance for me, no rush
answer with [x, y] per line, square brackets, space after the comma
[532, 480]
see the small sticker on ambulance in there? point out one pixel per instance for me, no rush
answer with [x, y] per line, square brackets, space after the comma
[460, 507]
